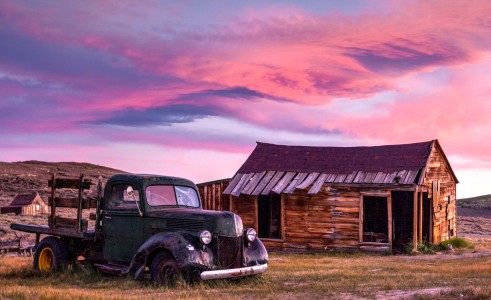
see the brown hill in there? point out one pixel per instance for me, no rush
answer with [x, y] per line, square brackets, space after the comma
[33, 176]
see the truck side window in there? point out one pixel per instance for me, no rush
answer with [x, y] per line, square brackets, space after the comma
[120, 198]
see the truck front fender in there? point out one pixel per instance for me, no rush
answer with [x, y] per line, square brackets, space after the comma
[182, 246]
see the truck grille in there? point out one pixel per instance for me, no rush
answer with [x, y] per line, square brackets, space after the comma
[182, 224]
[229, 251]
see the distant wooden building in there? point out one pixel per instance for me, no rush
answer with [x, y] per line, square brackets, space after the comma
[26, 204]
[320, 198]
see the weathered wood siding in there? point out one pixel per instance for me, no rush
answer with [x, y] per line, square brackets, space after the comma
[32, 208]
[212, 197]
[442, 191]
[246, 207]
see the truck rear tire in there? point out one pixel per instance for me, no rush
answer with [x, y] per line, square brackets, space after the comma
[164, 269]
[51, 255]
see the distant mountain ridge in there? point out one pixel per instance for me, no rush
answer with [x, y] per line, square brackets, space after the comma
[479, 202]
[32, 176]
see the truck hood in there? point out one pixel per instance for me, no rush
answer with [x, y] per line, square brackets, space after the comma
[194, 220]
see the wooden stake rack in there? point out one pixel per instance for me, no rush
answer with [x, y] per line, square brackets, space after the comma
[80, 184]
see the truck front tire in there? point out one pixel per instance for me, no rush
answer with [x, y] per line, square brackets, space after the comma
[51, 255]
[164, 269]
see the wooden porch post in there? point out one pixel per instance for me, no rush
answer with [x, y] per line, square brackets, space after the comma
[415, 220]
[389, 218]
[420, 217]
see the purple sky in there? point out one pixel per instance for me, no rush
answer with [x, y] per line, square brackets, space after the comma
[186, 88]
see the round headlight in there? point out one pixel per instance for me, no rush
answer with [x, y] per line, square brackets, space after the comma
[251, 234]
[205, 237]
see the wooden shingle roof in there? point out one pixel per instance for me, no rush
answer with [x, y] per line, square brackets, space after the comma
[282, 169]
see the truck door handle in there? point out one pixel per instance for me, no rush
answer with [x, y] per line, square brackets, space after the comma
[106, 217]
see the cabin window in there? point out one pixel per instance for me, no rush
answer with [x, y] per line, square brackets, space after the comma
[375, 219]
[38, 207]
[269, 216]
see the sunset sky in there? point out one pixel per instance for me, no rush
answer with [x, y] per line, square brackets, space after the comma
[186, 88]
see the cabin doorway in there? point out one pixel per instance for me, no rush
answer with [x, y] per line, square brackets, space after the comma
[402, 218]
[269, 216]
[375, 219]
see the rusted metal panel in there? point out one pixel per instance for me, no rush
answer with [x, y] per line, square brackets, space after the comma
[262, 184]
[253, 182]
[293, 184]
[308, 181]
[233, 183]
[318, 184]
[401, 176]
[283, 183]
[272, 183]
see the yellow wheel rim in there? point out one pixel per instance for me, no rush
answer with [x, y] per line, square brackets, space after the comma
[46, 260]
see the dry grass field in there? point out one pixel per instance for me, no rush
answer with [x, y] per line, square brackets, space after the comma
[291, 276]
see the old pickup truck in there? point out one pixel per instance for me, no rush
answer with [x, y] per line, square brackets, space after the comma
[145, 223]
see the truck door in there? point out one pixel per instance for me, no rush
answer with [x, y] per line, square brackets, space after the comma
[122, 224]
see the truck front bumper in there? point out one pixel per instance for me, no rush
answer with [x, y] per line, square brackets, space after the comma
[234, 273]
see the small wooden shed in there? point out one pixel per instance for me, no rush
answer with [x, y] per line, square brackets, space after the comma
[26, 204]
[320, 198]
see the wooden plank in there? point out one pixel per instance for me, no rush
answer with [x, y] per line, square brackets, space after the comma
[340, 178]
[420, 218]
[233, 183]
[256, 178]
[380, 177]
[272, 183]
[262, 184]
[72, 202]
[390, 177]
[308, 181]
[283, 183]
[415, 221]
[330, 177]
[359, 177]
[400, 176]
[411, 176]
[293, 184]
[389, 220]
[360, 227]
[243, 181]
[53, 203]
[69, 183]
[350, 177]
[370, 177]
[318, 184]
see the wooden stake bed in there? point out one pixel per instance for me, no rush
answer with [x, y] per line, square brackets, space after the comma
[44, 229]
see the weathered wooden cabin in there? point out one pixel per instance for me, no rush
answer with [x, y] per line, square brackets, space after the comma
[320, 198]
[26, 204]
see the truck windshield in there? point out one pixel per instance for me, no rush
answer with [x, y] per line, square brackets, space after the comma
[158, 195]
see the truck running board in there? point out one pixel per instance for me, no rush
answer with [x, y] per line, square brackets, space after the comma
[112, 269]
